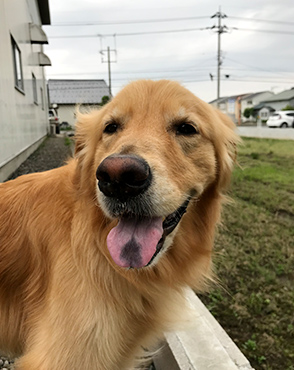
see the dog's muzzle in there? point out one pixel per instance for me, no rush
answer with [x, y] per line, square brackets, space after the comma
[138, 237]
[123, 176]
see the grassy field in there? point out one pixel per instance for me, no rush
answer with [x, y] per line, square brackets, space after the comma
[254, 256]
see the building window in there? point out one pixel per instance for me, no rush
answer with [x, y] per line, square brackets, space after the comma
[42, 98]
[34, 80]
[17, 64]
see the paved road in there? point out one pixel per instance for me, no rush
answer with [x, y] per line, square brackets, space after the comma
[265, 132]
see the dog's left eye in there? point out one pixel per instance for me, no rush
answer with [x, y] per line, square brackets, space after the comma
[111, 127]
[186, 129]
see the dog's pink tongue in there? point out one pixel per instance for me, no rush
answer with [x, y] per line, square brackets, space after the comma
[132, 243]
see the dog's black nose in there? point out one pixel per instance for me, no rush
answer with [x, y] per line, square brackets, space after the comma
[123, 176]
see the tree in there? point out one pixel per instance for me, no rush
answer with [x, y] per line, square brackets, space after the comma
[248, 112]
[288, 107]
[105, 99]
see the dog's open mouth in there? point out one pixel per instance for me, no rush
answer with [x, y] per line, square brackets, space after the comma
[135, 242]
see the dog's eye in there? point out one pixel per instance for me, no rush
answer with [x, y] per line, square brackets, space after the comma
[186, 129]
[111, 127]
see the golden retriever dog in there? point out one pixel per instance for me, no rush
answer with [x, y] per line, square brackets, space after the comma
[95, 256]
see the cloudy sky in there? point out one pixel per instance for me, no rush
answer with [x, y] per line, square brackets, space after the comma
[173, 39]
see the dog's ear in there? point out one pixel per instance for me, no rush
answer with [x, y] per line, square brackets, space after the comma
[225, 141]
[84, 126]
[86, 137]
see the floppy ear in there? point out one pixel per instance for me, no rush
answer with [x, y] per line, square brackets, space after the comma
[81, 126]
[225, 141]
[86, 139]
[87, 127]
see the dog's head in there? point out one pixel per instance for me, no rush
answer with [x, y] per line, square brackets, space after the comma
[150, 155]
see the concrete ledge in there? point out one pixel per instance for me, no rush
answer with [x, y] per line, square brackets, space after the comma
[266, 132]
[205, 345]
[12, 164]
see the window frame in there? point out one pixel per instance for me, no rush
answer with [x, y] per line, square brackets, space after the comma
[42, 98]
[17, 66]
[35, 90]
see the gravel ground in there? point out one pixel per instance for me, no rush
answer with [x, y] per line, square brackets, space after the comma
[51, 154]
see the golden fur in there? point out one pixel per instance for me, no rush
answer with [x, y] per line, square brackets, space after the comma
[64, 303]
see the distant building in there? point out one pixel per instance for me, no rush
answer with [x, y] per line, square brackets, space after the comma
[263, 111]
[251, 100]
[67, 94]
[220, 103]
[281, 100]
[23, 93]
[230, 105]
[234, 105]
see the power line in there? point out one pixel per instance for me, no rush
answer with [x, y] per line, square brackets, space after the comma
[266, 31]
[137, 21]
[168, 31]
[188, 73]
[263, 20]
[249, 79]
[101, 23]
[253, 67]
[219, 29]
[137, 72]
[127, 33]
[262, 81]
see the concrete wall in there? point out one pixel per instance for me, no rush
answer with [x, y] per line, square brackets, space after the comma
[203, 345]
[23, 122]
[66, 113]
[266, 132]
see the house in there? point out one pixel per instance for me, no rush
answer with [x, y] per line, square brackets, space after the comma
[220, 103]
[234, 105]
[230, 105]
[281, 100]
[252, 100]
[262, 111]
[67, 94]
[23, 93]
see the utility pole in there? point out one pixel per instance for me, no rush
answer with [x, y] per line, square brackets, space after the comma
[109, 71]
[108, 61]
[219, 29]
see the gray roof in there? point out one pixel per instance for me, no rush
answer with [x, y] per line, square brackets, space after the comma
[232, 97]
[219, 100]
[263, 105]
[285, 95]
[77, 91]
[252, 95]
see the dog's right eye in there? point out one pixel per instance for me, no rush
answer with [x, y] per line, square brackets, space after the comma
[111, 127]
[186, 129]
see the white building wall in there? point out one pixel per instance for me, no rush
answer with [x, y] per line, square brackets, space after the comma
[251, 102]
[22, 122]
[66, 113]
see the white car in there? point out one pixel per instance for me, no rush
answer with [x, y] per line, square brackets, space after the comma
[281, 119]
[54, 119]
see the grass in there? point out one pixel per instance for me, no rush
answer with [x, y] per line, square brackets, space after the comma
[254, 256]
[68, 141]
